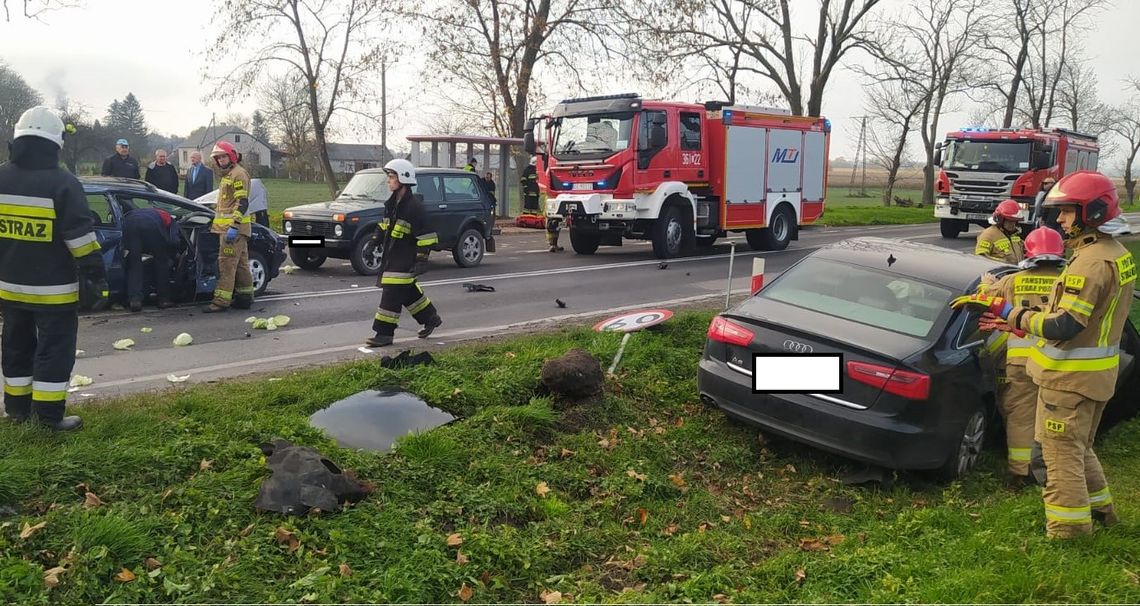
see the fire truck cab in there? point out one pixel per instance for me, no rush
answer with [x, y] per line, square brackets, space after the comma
[978, 168]
[678, 174]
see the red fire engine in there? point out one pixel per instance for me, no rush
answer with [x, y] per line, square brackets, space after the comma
[978, 168]
[678, 174]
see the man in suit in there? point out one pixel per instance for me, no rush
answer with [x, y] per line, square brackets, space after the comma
[199, 179]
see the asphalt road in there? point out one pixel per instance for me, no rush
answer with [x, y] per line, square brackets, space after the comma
[331, 308]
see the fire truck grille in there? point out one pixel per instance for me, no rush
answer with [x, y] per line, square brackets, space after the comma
[980, 194]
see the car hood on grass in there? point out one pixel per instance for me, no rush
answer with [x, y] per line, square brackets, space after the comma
[328, 209]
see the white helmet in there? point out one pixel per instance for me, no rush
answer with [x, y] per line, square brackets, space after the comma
[40, 121]
[405, 171]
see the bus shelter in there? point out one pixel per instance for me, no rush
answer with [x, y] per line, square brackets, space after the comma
[493, 154]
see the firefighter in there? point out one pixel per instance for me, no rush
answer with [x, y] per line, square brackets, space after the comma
[402, 232]
[46, 242]
[233, 224]
[553, 227]
[529, 185]
[1075, 359]
[1017, 393]
[1001, 241]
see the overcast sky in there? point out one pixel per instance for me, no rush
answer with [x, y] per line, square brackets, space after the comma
[152, 48]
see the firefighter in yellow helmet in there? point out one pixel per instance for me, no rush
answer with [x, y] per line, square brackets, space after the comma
[233, 224]
[1001, 241]
[1017, 394]
[1075, 359]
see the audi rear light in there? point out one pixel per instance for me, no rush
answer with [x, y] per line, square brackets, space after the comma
[726, 331]
[910, 385]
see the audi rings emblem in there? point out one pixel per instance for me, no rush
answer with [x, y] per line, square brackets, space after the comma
[797, 347]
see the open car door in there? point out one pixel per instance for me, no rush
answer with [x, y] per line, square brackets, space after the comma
[197, 269]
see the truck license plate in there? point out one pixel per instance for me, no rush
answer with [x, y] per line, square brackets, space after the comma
[580, 186]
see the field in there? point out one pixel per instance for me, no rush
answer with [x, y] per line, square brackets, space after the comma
[642, 496]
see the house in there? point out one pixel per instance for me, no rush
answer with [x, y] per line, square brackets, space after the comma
[347, 158]
[255, 152]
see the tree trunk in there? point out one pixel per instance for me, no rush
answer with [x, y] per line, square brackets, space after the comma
[893, 169]
[1011, 99]
[1129, 182]
[326, 164]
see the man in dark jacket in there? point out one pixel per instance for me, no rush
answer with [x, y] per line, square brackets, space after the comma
[121, 164]
[149, 231]
[48, 249]
[199, 179]
[162, 175]
[402, 232]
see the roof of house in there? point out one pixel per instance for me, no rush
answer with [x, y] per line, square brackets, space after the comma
[212, 134]
[344, 152]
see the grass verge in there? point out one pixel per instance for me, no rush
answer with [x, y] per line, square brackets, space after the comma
[652, 498]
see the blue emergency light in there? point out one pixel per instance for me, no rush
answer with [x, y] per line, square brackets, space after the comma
[727, 116]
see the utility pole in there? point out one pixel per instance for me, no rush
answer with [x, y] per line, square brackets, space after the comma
[860, 159]
[383, 109]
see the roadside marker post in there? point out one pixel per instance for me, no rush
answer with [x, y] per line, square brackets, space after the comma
[757, 274]
[731, 259]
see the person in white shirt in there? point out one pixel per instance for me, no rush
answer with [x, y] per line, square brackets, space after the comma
[259, 202]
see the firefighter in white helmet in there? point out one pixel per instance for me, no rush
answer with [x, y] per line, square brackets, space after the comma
[50, 260]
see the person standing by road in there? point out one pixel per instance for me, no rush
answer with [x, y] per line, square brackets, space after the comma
[162, 175]
[121, 164]
[529, 185]
[1046, 184]
[233, 224]
[1075, 360]
[199, 178]
[1001, 241]
[259, 202]
[149, 231]
[50, 259]
[402, 232]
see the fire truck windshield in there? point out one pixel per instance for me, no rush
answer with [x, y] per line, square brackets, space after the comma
[592, 136]
[989, 156]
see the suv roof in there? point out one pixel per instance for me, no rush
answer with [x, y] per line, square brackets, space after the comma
[424, 170]
[101, 183]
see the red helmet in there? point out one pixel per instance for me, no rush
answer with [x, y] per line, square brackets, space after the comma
[1044, 242]
[1008, 209]
[1093, 192]
[224, 148]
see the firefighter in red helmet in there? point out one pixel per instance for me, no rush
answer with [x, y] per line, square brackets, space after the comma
[233, 224]
[1001, 241]
[1075, 359]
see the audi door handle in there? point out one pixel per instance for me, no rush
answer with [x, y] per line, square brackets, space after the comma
[443, 206]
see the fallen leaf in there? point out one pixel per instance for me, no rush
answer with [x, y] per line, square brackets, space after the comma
[542, 489]
[790, 468]
[812, 545]
[720, 597]
[604, 443]
[165, 495]
[726, 519]
[550, 597]
[835, 539]
[805, 523]
[461, 559]
[123, 344]
[680, 422]
[456, 392]
[205, 464]
[800, 576]
[146, 330]
[454, 540]
[248, 529]
[345, 571]
[1132, 576]
[125, 576]
[285, 537]
[465, 592]
[152, 564]
[677, 480]
[511, 354]
[747, 522]
[659, 430]
[566, 453]
[29, 530]
[633, 474]
[51, 577]
[91, 500]
[642, 515]
[671, 530]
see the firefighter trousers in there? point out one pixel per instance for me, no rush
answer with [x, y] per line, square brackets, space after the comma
[553, 227]
[234, 278]
[37, 355]
[393, 297]
[530, 204]
[1075, 485]
[1017, 401]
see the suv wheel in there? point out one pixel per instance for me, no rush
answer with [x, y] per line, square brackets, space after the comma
[366, 257]
[469, 249]
[307, 258]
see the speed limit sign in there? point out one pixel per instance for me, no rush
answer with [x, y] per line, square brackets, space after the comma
[634, 321]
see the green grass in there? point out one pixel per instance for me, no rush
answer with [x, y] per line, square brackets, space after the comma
[1134, 246]
[653, 498]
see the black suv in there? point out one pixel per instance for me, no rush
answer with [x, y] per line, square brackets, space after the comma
[457, 206]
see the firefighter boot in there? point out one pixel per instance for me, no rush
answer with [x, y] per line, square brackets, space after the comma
[379, 340]
[1106, 516]
[51, 415]
[430, 325]
[214, 308]
[17, 408]
[242, 302]
[552, 240]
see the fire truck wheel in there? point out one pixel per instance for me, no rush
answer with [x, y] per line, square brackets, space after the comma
[776, 236]
[584, 243]
[952, 227]
[668, 234]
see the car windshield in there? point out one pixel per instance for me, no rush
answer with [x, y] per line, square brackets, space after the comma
[367, 186]
[862, 295]
[595, 135]
[991, 156]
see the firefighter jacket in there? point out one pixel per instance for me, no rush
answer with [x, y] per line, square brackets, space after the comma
[529, 181]
[1029, 289]
[46, 232]
[1095, 291]
[1000, 246]
[233, 202]
[404, 231]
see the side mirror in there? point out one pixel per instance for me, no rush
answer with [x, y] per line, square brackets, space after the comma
[528, 126]
[528, 142]
[938, 156]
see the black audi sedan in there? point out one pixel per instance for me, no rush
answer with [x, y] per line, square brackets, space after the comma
[916, 385]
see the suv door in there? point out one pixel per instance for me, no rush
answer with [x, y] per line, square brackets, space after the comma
[429, 188]
[463, 199]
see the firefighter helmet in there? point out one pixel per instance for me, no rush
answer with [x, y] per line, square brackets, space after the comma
[1093, 193]
[1044, 244]
[1006, 211]
[224, 148]
[40, 121]
[405, 171]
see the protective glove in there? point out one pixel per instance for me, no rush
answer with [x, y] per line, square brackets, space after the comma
[989, 322]
[986, 303]
[231, 235]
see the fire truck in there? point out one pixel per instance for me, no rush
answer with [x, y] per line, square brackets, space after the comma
[680, 175]
[978, 168]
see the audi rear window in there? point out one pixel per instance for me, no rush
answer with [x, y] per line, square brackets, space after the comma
[862, 295]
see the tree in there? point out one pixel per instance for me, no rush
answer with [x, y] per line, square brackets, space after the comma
[492, 49]
[760, 31]
[126, 119]
[16, 97]
[88, 141]
[1052, 48]
[260, 129]
[1126, 126]
[894, 101]
[238, 120]
[1078, 100]
[32, 9]
[333, 46]
[285, 101]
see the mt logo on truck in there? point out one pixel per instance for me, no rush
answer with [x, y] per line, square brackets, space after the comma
[678, 174]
